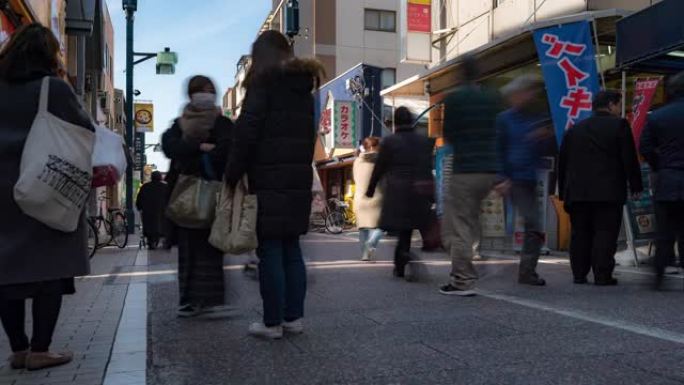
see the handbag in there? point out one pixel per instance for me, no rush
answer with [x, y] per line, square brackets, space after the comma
[109, 157]
[55, 172]
[193, 200]
[234, 229]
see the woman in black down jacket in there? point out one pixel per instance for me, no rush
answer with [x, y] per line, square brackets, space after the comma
[198, 144]
[405, 166]
[274, 146]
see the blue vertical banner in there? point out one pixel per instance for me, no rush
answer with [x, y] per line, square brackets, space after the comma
[566, 54]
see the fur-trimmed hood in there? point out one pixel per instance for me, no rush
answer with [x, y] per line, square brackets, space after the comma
[295, 68]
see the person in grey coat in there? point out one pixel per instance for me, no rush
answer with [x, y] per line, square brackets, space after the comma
[36, 261]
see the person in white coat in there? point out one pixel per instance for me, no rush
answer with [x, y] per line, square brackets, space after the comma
[367, 210]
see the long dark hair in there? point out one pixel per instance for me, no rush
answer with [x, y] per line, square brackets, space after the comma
[33, 51]
[269, 50]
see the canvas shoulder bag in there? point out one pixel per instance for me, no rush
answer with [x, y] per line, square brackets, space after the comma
[55, 172]
[193, 201]
[235, 229]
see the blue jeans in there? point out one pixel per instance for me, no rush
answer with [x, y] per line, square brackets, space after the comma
[370, 237]
[282, 280]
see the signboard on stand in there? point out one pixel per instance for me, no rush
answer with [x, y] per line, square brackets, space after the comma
[345, 124]
[566, 54]
[641, 211]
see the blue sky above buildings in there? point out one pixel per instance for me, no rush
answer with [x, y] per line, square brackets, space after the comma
[209, 37]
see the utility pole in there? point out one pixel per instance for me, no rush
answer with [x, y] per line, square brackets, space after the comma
[130, 6]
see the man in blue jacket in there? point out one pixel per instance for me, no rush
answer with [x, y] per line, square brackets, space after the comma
[662, 144]
[524, 132]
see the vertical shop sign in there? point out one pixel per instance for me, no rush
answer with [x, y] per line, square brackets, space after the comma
[644, 91]
[419, 16]
[345, 124]
[641, 211]
[566, 54]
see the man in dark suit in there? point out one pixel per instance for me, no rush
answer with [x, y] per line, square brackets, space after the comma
[597, 164]
[662, 144]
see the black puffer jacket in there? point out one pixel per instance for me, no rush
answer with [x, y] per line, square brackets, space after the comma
[274, 144]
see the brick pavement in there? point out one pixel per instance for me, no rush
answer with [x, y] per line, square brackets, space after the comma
[87, 326]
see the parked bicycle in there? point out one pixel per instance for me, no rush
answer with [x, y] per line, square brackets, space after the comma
[115, 229]
[338, 216]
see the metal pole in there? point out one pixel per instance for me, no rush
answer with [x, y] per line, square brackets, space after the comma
[130, 214]
[598, 52]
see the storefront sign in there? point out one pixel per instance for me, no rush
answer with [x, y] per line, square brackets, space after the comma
[419, 16]
[644, 90]
[345, 124]
[444, 160]
[566, 54]
[144, 117]
[415, 31]
[641, 211]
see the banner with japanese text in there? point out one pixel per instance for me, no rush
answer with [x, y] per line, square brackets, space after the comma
[345, 124]
[644, 91]
[566, 54]
[419, 16]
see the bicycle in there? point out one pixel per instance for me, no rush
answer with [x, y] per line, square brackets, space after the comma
[337, 216]
[115, 227]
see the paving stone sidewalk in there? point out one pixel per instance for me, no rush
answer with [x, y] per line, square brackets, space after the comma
[87, 325]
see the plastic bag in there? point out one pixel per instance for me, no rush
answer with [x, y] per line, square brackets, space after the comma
[109, 157]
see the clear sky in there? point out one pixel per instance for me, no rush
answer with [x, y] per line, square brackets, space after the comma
[209, 37]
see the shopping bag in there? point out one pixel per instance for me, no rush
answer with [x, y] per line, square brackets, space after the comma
[109, 157]
[234, 230]
[193, 202]
[55, 172]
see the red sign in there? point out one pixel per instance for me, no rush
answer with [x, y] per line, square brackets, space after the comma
[644, 90]
[419, 14]
[6, 28]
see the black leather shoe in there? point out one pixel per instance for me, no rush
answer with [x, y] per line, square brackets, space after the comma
[399, 271]
[580, 281]
[606, 282]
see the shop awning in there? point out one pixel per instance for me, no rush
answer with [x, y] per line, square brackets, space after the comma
[80, 17]
[653, 39]
[506, 53]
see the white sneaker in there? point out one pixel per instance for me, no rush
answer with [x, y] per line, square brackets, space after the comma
[258, 329]
[294, 327]
[366, 255]
[372, 252]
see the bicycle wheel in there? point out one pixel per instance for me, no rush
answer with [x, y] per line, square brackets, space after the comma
[92, 239]
[119, 230]
[334, 223]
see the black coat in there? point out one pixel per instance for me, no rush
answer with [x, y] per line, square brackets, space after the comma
[29, 250]
[598, 161]
[186, 157]
[404, 166]
[662, 144]
[274, 144]
[151, 202]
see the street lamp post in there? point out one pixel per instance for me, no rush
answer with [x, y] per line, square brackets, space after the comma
[166, 62]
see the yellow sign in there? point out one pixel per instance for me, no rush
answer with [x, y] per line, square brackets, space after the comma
[144, 117]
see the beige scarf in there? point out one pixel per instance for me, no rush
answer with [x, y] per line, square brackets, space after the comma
[196, 123]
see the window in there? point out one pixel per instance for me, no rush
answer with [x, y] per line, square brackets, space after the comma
[377, 20]
[388, 77]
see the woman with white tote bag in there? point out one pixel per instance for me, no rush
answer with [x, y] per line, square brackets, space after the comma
[43, 188]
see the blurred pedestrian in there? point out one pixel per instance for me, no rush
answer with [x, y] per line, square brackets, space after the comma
[36, 261]
[151, 202]
[404, 166]
[197, 144]
[662, 144]
[274, 146]
[469, 126]
[523, 133]
[367, 210]
[596, 167]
